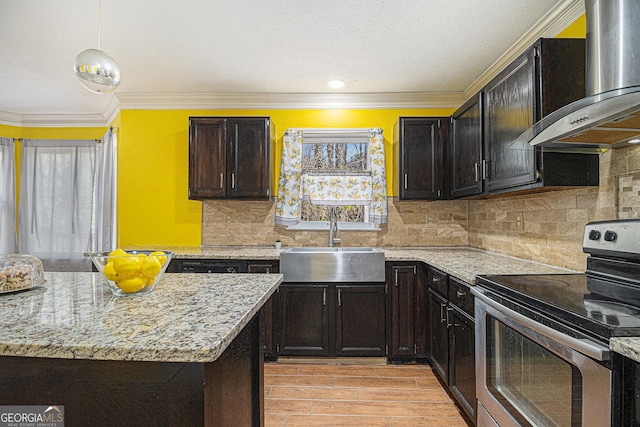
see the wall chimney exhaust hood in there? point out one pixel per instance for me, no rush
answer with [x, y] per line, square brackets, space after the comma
[609, 117]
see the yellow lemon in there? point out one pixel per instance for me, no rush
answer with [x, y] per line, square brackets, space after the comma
[115, 253]
[132, 283]
[127, 264]
[110, 272]
[151, 267]
[160, 256]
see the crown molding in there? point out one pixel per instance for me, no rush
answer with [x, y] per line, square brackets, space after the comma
[63, 120]
[278, 101]
[10, 119]
[553, 23]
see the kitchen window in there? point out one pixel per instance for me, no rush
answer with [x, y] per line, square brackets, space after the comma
[333, 160]
[67, 200]
[332, 169]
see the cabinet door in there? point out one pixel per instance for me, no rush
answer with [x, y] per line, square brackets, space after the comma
[207, 157]
[438, 335]
[248, 165]
[510, 109]
[419, 157]
[304, 320]
[422, 313]
[465, 149]
[360, 320]
[403, 313]
[269, 310]
[462, 366]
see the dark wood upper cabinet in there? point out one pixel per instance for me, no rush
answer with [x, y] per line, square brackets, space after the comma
[465, 149]
[230, 157]
[547, 76]
[418, 157]
[510, 110]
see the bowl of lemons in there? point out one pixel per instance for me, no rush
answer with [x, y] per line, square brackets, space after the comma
[129, 273]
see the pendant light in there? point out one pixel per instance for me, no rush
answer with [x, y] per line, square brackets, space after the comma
[95, 69]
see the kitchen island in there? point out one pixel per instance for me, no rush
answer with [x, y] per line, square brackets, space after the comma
[187, 354]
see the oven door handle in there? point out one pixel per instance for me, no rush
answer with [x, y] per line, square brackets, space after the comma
[585, 346]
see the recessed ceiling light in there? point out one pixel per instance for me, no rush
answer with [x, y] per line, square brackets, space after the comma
[336, 84]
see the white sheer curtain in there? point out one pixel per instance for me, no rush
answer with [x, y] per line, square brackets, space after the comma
[104, 235]
[66, 200]
[7, 197]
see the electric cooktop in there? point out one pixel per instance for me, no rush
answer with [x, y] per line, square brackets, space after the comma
[565, 298]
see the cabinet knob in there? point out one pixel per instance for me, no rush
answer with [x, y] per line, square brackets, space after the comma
[434, 279]
[460, 294]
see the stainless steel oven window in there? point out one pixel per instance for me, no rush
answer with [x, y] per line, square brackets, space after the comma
[524, 369]
[521, 374]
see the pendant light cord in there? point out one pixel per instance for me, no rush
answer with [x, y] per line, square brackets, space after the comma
[99, 21]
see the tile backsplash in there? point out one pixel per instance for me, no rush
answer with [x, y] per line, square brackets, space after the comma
[545, 226]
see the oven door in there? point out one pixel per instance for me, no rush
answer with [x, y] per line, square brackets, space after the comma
[531, 374]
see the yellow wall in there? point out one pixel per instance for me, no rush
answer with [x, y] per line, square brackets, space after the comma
[153, 207]
[578, 29]
[153, 160]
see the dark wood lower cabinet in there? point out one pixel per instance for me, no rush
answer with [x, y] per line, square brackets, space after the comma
[438, 334]
[304, 320]
[332, 320]
[452, 338]
[462, 364]
[267, 312]
[361, 320]
[408, 311]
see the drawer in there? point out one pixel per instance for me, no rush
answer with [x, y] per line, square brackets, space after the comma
[437, 280]
[460, 295]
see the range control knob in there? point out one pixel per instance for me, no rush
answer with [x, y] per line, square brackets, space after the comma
[594, 235]
[610, 236]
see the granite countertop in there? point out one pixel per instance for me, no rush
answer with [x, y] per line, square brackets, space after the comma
[188, 318]
[626, 346]
[462, 262]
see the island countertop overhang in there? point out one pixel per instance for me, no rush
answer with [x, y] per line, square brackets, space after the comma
[189, 317]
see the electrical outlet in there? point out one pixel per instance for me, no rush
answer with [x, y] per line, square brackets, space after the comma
[519, 221]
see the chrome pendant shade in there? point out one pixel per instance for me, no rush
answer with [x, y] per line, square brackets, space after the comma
[97, 71]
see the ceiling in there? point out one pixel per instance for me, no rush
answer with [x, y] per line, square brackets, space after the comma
[249, 53]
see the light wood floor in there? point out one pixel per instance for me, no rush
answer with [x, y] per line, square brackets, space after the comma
[321, 394]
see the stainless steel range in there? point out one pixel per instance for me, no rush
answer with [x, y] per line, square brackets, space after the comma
[542, 349]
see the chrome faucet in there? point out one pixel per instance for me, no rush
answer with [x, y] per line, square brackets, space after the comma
[333, 226]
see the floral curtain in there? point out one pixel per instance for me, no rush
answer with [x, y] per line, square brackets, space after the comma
[328, 189]
[289, 185]
[378, 209]
[337, 190]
